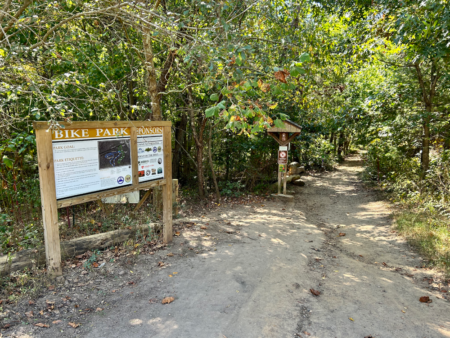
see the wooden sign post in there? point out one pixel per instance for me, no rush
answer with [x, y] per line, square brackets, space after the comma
[282, 164]
[88, 161]
[281, 135]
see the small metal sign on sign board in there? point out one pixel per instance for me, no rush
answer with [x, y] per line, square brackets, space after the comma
[282, 156]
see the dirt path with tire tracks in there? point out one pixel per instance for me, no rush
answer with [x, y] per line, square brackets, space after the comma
[249, 271]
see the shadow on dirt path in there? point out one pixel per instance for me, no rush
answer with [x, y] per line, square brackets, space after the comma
[247, 271]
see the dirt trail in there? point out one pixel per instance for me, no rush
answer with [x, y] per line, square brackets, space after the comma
[256, 264]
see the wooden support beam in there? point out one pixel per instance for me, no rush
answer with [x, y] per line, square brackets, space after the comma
[167, 189]
[104, 124]
[134, 157]
[104, 209]
[144, 198]
[279, 179]
[48, 202]
[119, 191]
[283, 143]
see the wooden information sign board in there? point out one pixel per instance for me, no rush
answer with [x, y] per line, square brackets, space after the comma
[281, 135]
[87, 161]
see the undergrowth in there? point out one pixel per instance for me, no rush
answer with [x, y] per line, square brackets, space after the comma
[425, 199]
[429, 234]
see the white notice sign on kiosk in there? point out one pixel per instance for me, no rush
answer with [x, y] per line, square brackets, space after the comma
[150, 153]
[91, 160]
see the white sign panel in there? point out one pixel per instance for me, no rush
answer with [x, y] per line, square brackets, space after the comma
[91, 160]
[150, 153]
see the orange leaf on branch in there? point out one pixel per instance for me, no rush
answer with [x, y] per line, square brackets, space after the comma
[281, 75]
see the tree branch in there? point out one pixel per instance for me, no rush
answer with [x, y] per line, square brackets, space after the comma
[422, 84]
[164, 78]
[83, 14]
[14, 19]
[5, 9]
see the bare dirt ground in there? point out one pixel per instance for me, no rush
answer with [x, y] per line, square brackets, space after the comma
[247, 271]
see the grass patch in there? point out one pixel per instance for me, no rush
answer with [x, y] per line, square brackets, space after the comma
[430, 234]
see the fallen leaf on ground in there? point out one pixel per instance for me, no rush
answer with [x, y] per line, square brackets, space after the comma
[57, 322]
[51, 287]
[170, 254]
[315, 292]
[98, 309]
[203, 228]
[160, 264]
[29, 314]
[341, 234]
[29, 302]
[95, 265]
[307, 333]
[351, 319]
[168, 300]
[175, 273]
[41, 325]
[177, 233]
[74, 325]
[425, 299]
[153, 300]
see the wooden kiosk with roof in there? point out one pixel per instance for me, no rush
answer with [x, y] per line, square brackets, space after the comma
[284, 136]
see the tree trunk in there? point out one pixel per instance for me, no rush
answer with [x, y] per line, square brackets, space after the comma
[211, 164]
[131, 99]
[427, 96]
[341, 145]
[426, 143]
[200, 174]
[227, 159]
[180, 131]
[198, 138]
[335, 144]
[152, 82]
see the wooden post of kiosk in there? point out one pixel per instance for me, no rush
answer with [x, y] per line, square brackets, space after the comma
[284, 136]
[48, 202]
[128, 178]
[282, 163]
[167, 189]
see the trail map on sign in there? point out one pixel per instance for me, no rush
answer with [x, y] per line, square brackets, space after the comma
[114, 153]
